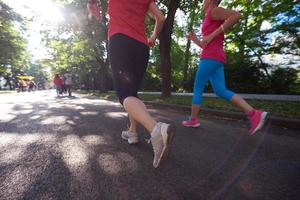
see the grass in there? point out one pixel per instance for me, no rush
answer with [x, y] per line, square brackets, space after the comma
[277, 108]
[7, 91]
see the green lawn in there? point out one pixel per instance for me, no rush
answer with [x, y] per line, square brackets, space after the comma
[277, 108]
[7, 91]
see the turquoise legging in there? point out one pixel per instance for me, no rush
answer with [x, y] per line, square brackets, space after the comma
[213, 70]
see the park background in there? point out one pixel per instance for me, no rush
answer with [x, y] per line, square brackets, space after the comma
[42, 38]
[70, 147]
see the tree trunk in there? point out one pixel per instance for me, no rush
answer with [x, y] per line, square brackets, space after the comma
[104, 78]
[103, 62]
[165, 48]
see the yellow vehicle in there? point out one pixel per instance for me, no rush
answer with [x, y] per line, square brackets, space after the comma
[25, 83]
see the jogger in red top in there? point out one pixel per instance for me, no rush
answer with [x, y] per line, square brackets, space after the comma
[129, 55]
[58, 83]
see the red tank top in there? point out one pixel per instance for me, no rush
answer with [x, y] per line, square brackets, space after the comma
[128, 17]
[215, 49]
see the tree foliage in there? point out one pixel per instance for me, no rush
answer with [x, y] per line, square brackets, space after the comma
[267, 27]
[79, 45]
[14, 57]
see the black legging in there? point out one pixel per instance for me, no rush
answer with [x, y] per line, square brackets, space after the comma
[129, 59]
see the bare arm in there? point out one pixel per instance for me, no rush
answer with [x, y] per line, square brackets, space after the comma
[231, 17]
[155, 13]
[191, 36]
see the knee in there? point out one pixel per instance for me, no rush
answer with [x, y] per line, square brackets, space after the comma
[221, 92]
[124, 98]
[224, 93]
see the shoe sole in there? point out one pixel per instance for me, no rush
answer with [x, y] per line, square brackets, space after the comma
[262, 122]
[165, 151]
[191, 126]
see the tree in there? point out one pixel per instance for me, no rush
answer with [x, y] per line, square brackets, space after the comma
[83, 43]
[283, 80]
[165, 48]
[100, 40]
[194, 10]
[14, 57]
[249, 39]
[246, 44]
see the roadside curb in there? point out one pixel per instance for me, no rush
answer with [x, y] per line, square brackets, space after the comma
[279, 121]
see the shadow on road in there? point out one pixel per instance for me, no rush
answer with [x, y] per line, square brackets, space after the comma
[70, 148]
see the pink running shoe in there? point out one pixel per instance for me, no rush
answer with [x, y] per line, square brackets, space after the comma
[257, 120]
[191, 122]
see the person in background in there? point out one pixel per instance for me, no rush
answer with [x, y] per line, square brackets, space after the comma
[58, 84]
[31, 85]
[68, 83]
[63, 85]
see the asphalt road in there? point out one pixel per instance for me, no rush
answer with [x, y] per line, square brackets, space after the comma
[70, 148]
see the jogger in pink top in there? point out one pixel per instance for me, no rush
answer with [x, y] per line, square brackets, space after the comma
[211, 66]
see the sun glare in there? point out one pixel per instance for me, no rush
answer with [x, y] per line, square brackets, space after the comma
[43, 14]
[45, 10]
[51, 13]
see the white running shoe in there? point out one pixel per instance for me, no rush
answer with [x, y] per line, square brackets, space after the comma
[131, 138]
[161, 138]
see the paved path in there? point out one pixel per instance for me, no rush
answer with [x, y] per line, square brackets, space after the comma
[70, 148]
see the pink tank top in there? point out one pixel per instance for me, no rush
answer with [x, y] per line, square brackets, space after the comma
[214, 50]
